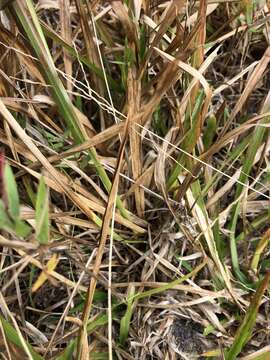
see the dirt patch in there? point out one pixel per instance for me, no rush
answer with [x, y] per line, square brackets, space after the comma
[187, 337]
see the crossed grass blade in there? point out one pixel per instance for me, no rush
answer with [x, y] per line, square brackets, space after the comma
[29, 21]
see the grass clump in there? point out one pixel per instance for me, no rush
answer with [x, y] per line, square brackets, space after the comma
[134, 179]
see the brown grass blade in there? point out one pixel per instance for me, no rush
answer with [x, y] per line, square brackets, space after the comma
[66, 34]
[134, 95]
[170, 13]
[51, 170]
[251, 84]
[83, 348]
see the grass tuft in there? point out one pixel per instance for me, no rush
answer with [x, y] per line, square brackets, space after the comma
[134, 179]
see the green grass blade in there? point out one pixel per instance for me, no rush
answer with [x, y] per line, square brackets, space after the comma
[5, 222]
[209, 132]
[42, 213]
[255, 225]
[22, 229]
[125, 321]
[245, 330]
[169, 285]
[67, 354]
[13, 337]
[233, 156]
[255, 142]
[30, 23]
[102, 319]
[92, 67]
[188, 142]
[12, 193]
[262, 244]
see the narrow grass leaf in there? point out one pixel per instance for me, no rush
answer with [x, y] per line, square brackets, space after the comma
[244, 331]
[212, 354]
[21, 228]
[13, 337]
[125, 321]
[83, 340]
[42, 213]
[68, 352]
[50, 33]
[28, 18]
[5, 222]
[169, 285]
[11, 192]
[43, 277]
[254, 144]
[259, 250]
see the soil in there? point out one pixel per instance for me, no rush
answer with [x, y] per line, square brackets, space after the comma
[187, 338]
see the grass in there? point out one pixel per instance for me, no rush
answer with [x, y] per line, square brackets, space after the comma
[134, 180]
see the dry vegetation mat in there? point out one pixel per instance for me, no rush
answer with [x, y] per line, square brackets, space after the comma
[134, 179]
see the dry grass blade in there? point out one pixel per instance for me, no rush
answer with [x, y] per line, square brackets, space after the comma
[28, 18]
[169, 15]
[134, 151]
[66, 34]
[204, 223]
[83, 348]
[92, 52]
[52, 171]
[251, 84]
[261, 354]
[135, 140]
[21, 339]
[62, 279]
[121, 11]
[199, 41]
